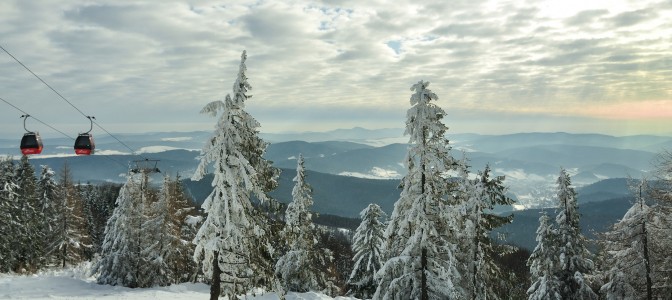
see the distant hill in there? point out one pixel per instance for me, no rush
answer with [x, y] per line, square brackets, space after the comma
[532, 139]
[356, 134]
[335, 195]
[595, 217]
[530, 161]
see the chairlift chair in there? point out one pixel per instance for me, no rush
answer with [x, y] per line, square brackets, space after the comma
[145, 166]
[31, 142]
[84, 144]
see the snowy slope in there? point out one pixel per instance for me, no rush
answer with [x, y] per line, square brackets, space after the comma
[74, 284]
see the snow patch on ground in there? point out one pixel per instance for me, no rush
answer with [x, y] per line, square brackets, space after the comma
[157, 149]
[39, 156]
[75, 284]
[601, 177]
[518, 207]
[465, 148]
[383, 141]
[111, 152]
[177, 139]
[375, 173]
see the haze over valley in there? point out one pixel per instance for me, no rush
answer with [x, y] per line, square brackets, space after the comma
[530, 161]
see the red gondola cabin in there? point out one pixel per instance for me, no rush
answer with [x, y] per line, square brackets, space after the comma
[31, 143]
[84, 144]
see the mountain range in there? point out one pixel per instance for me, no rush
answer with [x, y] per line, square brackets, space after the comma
[348, 169]
[530, 161]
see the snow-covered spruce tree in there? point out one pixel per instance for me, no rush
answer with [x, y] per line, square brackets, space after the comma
[99, 200]
[28, 241]
[420, 237]
[544, 263]
[156, 251]
[95, 220]
[9, 225]
[660, 230]
[71, 236]
[232, 242]
[367, 246]
[120, 259]
[572, 252]
[627, 246]
[484, 278]
[181, 249]
[302, 267]
[48, 192]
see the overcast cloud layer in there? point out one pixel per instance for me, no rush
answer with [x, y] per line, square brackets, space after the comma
[497, 66]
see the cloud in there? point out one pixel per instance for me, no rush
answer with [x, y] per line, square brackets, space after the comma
[324, 64]
[657, 109]
[630, 18]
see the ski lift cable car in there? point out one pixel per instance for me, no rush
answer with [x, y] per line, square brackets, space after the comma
[84, 144]
[145, 166]
[31, 143]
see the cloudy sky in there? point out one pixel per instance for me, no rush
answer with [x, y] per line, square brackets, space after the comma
[497, 66]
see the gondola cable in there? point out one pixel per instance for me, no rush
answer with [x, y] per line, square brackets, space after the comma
[70, 103]
[55, 129]
[36, 119]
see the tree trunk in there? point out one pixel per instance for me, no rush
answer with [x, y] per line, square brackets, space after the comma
[215, 288]
[645, 242]
[474, 277]
[65, 248]
[423, 278]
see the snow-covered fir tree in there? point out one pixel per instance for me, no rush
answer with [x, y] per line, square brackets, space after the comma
[420, 238]
[661, 227]
[483, 277]
[302, 267]
[627, 247]
[71, 236]
[95, 222]
[99, 200]
[574, 257]
[367, 246]
[156, 252]
[181, 250]
[27, 242]
[166, 256]
[544, 263]
[120, 260]
[233, 243]
[48, 193]
[9, 225]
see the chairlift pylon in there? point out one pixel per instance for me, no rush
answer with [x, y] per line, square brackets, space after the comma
[31, 142]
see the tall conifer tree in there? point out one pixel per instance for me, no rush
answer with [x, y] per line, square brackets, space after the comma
[232, 242]
[367, 246]
[48, 201]
[9, 225]
[120, 253]
[544, 263]
[302, 267]
[484, 278]
[71, 230]
[420, 240]
[28, 240]
[573, 254]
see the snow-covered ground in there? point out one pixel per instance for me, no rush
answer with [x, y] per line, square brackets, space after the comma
[75, 284]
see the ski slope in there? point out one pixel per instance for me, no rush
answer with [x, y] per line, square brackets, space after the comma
[75, 284]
